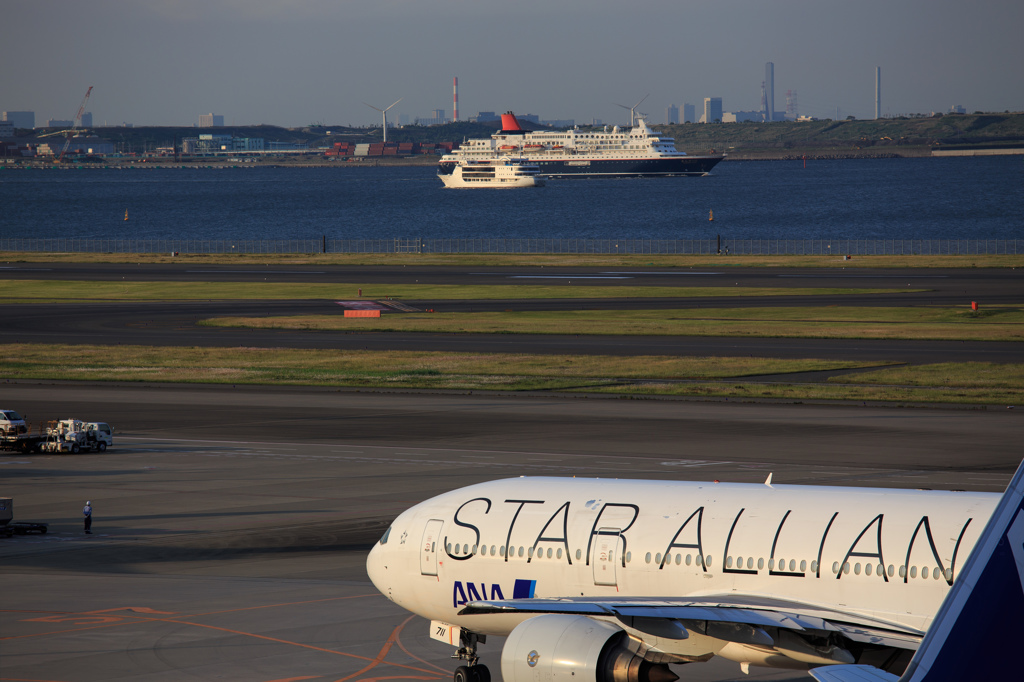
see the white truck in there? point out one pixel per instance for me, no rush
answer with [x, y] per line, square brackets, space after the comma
[12, 423]
[75, 435]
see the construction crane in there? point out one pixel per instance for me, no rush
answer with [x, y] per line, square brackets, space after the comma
[74, 124]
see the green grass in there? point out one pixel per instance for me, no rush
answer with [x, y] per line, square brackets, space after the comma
[953, 375]
[826, 392]
[990, 324]
[974, 383]
[409, 369]
[59, 291]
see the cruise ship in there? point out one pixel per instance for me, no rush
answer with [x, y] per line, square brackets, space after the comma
[633, 153]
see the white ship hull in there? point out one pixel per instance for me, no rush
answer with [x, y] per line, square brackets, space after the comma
[503, 173]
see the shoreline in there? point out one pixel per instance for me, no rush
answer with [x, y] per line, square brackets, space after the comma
[816, 154]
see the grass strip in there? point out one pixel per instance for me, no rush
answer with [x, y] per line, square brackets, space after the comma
[823, 391]
[533, 260]
[59, 291]
[978, 383]
[410, 369]
[954, 375]
[989, 324]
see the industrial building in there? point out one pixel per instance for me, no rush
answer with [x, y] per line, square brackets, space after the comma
[671, 114]
[741, 116]
[211, 120]
[21, 119]
[438, 118]
[712, 110]
[218, 144]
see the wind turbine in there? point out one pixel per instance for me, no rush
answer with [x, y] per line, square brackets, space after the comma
[632, 109]
[384, 114]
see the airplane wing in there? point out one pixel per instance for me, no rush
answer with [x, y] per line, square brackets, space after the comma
[757, 612]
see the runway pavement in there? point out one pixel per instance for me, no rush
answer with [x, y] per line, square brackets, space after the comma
[986, 284]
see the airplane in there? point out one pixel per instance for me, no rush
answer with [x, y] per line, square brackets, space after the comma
[596, 580]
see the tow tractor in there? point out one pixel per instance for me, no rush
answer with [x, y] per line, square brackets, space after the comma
[74, 435]
[64, 435]
[9, 527]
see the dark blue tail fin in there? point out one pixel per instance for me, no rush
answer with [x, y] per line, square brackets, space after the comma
[981, 622]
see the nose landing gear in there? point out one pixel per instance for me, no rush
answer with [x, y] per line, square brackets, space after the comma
[474, 671]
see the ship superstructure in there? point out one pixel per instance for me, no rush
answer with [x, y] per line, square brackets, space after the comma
[632, 152]
[502, 172]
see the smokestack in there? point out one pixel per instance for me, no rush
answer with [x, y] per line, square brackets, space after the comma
[769, 83]
[455, 99]
[878, 92]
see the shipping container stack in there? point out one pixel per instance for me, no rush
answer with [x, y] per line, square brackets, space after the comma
[341, 149]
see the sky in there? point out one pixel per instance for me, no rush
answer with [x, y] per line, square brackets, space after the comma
[297, 62]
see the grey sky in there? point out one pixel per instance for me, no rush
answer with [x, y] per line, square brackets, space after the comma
[292, 62]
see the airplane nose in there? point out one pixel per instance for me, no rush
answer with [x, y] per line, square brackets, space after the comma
[377, 571]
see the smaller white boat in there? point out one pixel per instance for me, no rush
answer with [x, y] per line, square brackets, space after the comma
[500, 172]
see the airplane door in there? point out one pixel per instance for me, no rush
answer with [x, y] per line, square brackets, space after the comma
[428, 548]
[607, 545]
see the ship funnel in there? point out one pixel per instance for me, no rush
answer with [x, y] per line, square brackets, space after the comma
[509, 122]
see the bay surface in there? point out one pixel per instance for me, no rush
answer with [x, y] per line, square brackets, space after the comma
[943, 198]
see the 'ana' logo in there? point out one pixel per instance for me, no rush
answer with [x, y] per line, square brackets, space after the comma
[463, 593]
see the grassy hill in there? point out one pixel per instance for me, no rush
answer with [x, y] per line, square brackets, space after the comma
[885, 135]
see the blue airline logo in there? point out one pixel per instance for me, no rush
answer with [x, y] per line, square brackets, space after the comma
[463, 593]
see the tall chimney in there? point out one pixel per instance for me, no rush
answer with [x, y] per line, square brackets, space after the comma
[455, 99]
[878, 92]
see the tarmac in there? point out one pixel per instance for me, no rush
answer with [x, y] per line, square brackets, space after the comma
[231, 524]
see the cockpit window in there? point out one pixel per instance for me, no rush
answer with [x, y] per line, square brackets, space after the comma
[384, 539]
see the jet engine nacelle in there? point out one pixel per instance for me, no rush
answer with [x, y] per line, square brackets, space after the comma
[568, 648]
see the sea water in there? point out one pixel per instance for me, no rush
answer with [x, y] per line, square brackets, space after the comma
[920, 198]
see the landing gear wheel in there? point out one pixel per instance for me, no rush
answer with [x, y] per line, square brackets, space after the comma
[480, 673]
[74, 449]
[101, 447]
[462, 674]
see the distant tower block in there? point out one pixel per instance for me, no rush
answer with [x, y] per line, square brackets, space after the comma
[878, 92]
[455, 99]
[769, 83]
[791, 106]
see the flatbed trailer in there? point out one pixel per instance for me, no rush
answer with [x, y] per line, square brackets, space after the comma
[22, 442]
[9, 527]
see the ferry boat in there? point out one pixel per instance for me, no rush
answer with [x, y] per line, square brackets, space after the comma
[638, 152]
[504, 171]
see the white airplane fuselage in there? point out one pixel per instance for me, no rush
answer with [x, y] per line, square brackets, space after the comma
[885, 557]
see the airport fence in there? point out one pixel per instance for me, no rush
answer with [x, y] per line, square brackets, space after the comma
[794, 247]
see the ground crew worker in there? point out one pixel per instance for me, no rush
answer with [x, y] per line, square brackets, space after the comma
[87, 511]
